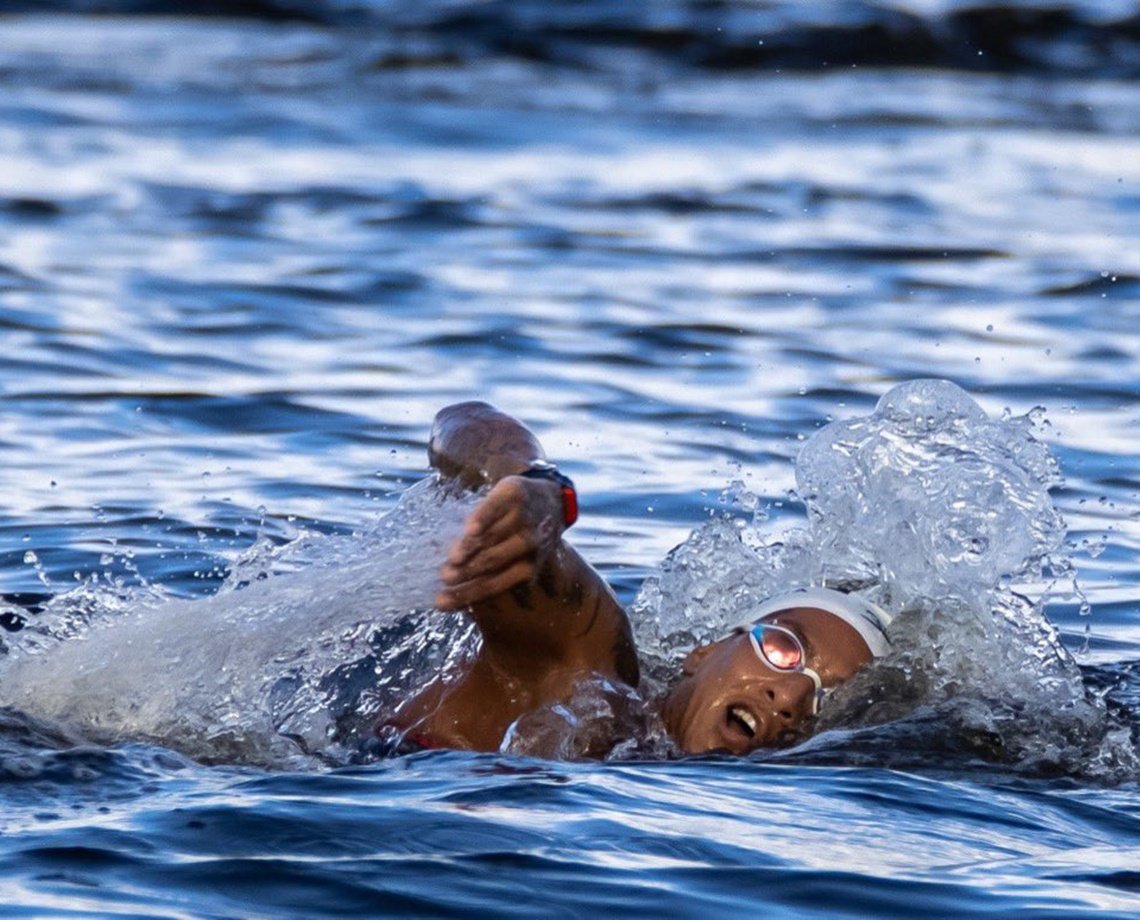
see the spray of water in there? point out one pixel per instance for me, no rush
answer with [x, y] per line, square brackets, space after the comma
[928, 506]
[943, 516]
[276, 666]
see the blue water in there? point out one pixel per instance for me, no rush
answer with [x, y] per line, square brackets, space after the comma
[244, 261]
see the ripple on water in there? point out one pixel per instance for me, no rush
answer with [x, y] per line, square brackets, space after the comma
[243, 262]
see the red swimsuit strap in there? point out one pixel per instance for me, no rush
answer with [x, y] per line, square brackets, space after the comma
[423, 739]
[412, 736]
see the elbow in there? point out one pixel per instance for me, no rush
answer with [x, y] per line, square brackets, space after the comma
[463, 410]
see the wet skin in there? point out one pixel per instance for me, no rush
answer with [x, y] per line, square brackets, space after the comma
[731, 700]
[548, 620]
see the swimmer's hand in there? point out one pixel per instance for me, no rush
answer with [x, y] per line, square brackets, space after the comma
[507, 539]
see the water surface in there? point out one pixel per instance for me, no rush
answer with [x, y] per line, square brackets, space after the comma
[243, 262]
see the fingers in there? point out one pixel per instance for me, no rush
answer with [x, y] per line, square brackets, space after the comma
[501, 543]
[454, 597]
[489, 559]
[477, 538]
[491, 522]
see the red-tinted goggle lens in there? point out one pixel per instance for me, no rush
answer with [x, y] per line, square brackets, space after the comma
[780, 648]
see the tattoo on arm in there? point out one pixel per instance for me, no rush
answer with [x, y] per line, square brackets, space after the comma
[593, 618]
[548, 580]
[522, 596]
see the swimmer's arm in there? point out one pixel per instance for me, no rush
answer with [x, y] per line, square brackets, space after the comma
[479, 445]
[537, 603]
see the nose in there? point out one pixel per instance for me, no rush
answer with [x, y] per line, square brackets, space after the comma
[788, 697]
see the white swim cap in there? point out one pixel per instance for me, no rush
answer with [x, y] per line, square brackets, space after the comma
[867, 619]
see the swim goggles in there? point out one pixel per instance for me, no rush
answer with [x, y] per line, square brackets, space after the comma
[781, 650]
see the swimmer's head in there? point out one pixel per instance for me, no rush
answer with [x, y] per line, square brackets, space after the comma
[756, 687]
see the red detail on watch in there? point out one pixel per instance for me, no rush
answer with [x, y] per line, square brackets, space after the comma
[569, 505]
[540, 469]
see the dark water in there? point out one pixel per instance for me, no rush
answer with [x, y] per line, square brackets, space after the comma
[244, 258]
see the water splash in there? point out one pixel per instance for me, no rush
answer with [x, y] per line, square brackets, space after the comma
[941, 514]
[301, 642]
[928, 505]
[929, 498]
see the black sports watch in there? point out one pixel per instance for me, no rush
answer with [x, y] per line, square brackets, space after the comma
[541, 469]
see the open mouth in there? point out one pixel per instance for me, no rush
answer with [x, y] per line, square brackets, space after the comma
[741, 720]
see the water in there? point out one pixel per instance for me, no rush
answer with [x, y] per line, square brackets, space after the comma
[243, 262]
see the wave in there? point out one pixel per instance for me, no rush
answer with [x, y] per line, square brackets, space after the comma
[1071, 38]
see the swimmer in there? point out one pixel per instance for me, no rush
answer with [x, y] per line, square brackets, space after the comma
[548, 620]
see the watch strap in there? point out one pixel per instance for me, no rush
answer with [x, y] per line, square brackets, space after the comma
[541, 469]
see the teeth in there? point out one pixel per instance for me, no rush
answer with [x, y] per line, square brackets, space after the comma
[744, 716]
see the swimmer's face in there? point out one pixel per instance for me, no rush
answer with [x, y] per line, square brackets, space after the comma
[731, 700]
